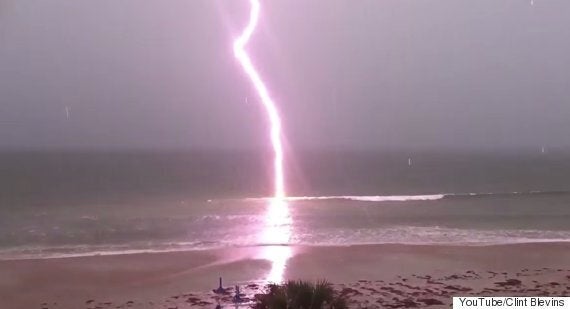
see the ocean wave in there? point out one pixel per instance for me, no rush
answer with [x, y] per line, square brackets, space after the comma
[372, 198]
[67, 251]
[512, 193]
[228, 219]
[408, 198]
[426, 235]
[405, 235]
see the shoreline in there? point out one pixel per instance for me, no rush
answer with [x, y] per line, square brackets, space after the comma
[175, 251]
[157, 278]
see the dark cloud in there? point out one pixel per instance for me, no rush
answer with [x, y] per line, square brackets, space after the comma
[359, 74]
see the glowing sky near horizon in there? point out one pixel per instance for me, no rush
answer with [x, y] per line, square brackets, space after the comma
[268, 103]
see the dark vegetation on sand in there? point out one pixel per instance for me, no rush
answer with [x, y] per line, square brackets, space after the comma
[300, 295]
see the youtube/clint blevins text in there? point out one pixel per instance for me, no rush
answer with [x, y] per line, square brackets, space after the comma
[511, 302]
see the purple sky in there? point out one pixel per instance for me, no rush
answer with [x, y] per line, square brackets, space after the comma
[356, 74]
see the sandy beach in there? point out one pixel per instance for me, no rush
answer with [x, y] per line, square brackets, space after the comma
[370, 275]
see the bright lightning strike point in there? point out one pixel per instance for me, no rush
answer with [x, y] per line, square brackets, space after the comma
[268, 103]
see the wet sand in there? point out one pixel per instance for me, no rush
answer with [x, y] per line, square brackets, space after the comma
[370, 275]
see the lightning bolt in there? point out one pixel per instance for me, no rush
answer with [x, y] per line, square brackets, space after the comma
[268, 103]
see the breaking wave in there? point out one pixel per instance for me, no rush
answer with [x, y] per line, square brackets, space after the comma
[407, 198]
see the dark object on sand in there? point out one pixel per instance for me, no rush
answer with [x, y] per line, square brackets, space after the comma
[509, 282]
[457, 288]
[220, 289]
[237, 297]
[431, 301]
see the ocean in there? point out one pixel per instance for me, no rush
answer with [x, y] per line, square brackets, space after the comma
[56, 204]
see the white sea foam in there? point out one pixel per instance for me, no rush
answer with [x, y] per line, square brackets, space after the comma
[372, 198]
[426, 235]
[407, 235]
[406, 198]
[361, 198]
